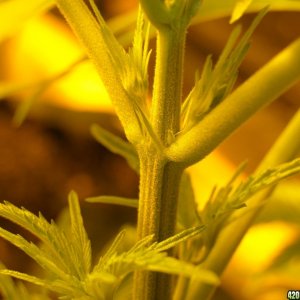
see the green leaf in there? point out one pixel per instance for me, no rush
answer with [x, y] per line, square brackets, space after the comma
[40, 256]
[38, 226]
[178, 238]
[144, 257]
[239, 9]
[116, 145]
[11, 290]
[219, 209]
[23, 276]
[13, 13]
[216, 83]
[59, 249]
[108, 57]
[65, 256]
[132, 67]
[79, 237]
[264, 179]
[114, 200]
[16, 290]
[135, 78]
[56, 286]
[146, 128]
[110, 252]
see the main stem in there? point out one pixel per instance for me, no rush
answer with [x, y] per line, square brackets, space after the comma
[167, 91]
[159, 177]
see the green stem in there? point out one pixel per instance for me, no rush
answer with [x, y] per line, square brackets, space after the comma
[167, 92]
[262, 88]
[156, 11]
[159, 184]
[100, 43]
[159, 177]
[285, 149]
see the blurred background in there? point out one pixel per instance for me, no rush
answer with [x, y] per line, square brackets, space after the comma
[46, 148]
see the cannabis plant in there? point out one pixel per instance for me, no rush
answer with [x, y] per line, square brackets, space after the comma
[164, 137]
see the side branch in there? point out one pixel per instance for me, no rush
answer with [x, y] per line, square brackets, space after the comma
[100, 44]
[258, 91]
[286, 148]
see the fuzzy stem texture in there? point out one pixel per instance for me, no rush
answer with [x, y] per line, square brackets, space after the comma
[99, 43]
[160, 178]
[159, 183]
[258, 91]
[167, 91]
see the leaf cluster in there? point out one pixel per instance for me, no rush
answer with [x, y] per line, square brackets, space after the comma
[225, 204]
[216, 82]
[219, 210]
[66, 256]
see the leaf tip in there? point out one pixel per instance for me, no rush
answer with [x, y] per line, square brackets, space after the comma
[73, 197]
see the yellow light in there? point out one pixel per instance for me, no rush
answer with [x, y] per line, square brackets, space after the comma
[214, 170]
[256, 252]
[262, 244]
[45, 47]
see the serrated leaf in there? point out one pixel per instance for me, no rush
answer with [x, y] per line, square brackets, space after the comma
[66, 259]
[23, 276]
[178, 238]
[16, 290]
[133, 65]
[138, 59]
[107, 55]
[38, 226]
[239, 9]
[144, 257]
[219, 209]
[264, 179]
[217, 82]
[56, 286]
[146, 128]
[116, 145]
[41, 257]
[58, 246]
[111, 250]
[10, 290]
[114, 200]
[132, 68]
[188, 113]
[79, 237]
[173, 266]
